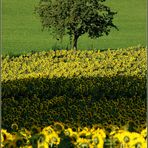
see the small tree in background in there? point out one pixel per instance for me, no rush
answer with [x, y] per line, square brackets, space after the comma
[75, 18]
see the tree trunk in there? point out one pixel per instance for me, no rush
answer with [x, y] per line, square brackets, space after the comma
[70, 38]
[75, 40]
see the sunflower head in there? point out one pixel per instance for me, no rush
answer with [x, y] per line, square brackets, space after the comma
[24, 132]
[126, 139]
[6, 135]
[144, 133]
[58, 127]
[68, 132]
[55, 139]
[48, 130]
[14, 127]
[96, 140]
[138, 145]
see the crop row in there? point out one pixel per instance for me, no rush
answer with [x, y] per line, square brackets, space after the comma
[59, 135]
[84, 112]
[127, 62]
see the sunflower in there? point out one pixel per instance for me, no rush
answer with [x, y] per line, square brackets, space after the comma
[138, 145]
[144, 133]
[48, 130]
[58, 127]
[2, 137]
[114, 130]
[82, 143]
[6, 136]
[25, 133]
[83, 133]
[123, 136]
[126, 139]
[74, 137]
[53, 139]
[94, 128]
[97, 140]
[137, 141]
[43, 145]
[101, 132]
[68, 132]
[50, 136]
[14, 127]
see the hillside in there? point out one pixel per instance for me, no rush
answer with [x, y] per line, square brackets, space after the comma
[22, 28]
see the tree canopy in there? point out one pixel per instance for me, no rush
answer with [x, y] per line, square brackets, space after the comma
[76, 17]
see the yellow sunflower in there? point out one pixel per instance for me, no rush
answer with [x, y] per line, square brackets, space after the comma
[97, 140]
[44, 145]
[123, 136]
[137, 140]
[144, 132]
[101, 132]
[81, 142]
[24, 132]
[58, 127]
[53, 138]
[83, 132]
[6, 136]
[68, 132]
[114, 130]
[14, 126]
[48, 130]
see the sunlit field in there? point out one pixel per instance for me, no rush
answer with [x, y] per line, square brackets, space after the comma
[22, 28]
[94, 96]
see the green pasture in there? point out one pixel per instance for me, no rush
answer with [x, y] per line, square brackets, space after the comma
[22, 33]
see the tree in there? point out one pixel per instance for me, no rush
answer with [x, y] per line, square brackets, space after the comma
[75, 18]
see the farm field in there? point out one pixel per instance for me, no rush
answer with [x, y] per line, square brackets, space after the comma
[22, 29]
[54, 96]
[77, 89]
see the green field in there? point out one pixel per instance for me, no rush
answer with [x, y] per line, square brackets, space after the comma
[22, 29]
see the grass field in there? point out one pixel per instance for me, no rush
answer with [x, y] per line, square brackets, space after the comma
[22, 28]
